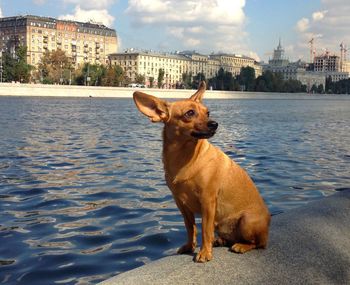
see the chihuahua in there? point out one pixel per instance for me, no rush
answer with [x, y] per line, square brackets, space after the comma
[204, 180]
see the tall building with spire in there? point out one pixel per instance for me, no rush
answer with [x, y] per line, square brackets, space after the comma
[293, 70]
[278, 58]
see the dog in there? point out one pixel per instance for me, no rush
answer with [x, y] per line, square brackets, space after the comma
[204, 180]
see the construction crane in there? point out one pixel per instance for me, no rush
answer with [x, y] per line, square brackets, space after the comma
[343, 51]
[312, 50]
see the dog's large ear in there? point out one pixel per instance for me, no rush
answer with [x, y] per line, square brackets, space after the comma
[155, 109]
[198, 96]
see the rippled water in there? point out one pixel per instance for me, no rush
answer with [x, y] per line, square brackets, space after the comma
[82, 194]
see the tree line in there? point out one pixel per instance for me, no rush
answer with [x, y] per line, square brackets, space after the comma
[56, 68]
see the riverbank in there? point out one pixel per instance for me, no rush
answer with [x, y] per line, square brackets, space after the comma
[308, 245]
[17, 89]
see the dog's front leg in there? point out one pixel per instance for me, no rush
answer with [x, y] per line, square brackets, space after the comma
[191, 229]
[208, 216]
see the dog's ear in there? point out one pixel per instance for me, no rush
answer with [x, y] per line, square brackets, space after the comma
[155, 109]
[198, 96]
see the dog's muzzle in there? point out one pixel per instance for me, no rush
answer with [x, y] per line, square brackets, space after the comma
[212, 126]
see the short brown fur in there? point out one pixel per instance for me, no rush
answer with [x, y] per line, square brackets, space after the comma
[204, 180]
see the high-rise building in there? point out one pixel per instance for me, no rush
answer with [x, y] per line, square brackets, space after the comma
[278, 58]
[82, 42]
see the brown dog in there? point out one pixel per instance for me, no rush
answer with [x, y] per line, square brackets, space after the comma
[204, 180]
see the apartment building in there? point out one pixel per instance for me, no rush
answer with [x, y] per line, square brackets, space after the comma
[148, 63]
[82, 42]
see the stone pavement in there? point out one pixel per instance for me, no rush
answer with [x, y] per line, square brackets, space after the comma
[308, 245]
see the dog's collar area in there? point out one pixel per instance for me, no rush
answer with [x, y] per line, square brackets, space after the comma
[202, 135]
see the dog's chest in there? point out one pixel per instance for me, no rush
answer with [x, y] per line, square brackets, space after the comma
[187, 195]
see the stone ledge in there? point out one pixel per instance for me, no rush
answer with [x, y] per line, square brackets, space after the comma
[308, 245]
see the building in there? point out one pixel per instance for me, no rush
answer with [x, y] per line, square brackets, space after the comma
[233, 63]
[298, 70]
[82, 42]
[148, 64]
[278, 57]
[331, 66]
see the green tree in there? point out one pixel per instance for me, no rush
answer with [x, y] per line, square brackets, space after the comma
[140, 79]
[261, 85]
[320, 89]
[224, 80]
[15, 67]
[55, 67]
[329, 88]
[313, 89]
[197, 79]
[151, 82]
[91, 74]
[114, 76]
[186, 80]
[160, 77]
[247, 78]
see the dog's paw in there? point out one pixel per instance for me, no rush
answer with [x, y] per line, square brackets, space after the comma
[219, 242]
[242, 247]
[186, 248]
[203, 256]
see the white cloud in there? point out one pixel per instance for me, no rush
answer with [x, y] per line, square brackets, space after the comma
[91, 4]
[99, 16]
[329, 26]
[207, 25]
[187, 11]
[319, 15]
[1, 15]
[303, 24]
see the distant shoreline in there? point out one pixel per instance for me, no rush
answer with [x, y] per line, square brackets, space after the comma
[18, 89]
[43, 90]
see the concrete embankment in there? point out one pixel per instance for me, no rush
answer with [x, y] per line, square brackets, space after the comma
[308, 245]
[16, 89]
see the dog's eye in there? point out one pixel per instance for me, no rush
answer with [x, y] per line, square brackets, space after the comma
[190, 113]
[208, 113]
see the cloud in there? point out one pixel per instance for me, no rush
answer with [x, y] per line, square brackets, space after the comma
[91, 4]
[1, 15]
[39, 2]
[84, 15]
[184, 11]
[319, 15]
[303, 24]
[207, 25]
[329, 26]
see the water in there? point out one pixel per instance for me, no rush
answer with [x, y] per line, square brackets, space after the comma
[82, 194]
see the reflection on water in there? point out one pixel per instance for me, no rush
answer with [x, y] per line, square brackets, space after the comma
[82, 192]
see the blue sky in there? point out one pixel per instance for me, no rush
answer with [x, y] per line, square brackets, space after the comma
[250, 27]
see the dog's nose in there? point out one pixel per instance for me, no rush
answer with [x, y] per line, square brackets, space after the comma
[212, 125]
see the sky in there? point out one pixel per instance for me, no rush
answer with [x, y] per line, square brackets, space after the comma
[248, 27]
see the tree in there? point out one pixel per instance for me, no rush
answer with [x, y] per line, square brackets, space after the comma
[160, 77]
[54, 67]
[91, 74]
[247, 78]
[197, 79]
[113, 76]
[313, 89]
[186, 80]
[320, 89]
[329, 85]
[140, 79]
[15, 67]
[151, 82]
